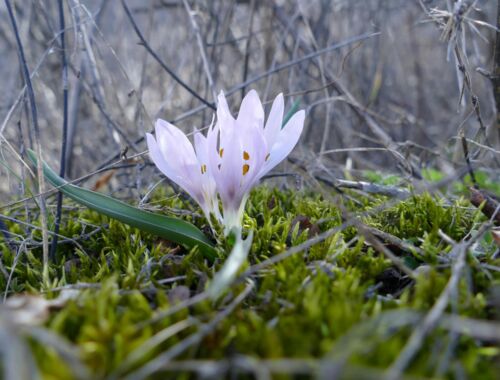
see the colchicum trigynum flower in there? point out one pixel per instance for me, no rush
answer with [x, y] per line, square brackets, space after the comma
[230, 159]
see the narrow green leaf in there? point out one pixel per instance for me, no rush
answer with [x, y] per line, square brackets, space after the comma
[291, 112]
[172, 229]
[233, 263]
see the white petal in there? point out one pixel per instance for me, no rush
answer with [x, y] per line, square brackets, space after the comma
[254, 144]
[174, 155]
[286, 141]
[213, 147]
[225, 121]
[174, 144]
[275, 120]
[161, 163]
[201, 148]
[223, 112]
[230, 171]
[201, 144]
[251, 111]
[157, 157]
[222, 104]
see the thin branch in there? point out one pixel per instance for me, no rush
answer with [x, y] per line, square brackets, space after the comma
[306, 57]
[62, 168]
[38, 148]
[159, 60]
[377, 244]
[247, 46]
[373, 188]
[201, 46]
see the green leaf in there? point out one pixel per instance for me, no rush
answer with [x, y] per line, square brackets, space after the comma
[291, 112]
[172, 229]
[233, 263]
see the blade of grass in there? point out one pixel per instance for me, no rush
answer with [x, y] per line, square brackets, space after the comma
[172, 229]
[291, 112]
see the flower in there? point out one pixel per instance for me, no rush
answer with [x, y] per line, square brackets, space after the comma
[233, 156]
[174, 155]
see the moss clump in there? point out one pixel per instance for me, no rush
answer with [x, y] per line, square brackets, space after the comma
[423, 216]
[338, 299]
[422, 220]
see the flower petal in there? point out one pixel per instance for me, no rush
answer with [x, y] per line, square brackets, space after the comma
[162, 164]
[157, 157]
[214, 158]
[223, 113]
[254, 154]
[173, 143]
[174, 155]
[201, 148]
[225, 121]
[285, 142]
[274, 121]
[229, 174]
[251, 111]
[201, 144]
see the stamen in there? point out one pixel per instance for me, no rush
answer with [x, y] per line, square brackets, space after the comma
[203, 169]
[246, 168]
[246, 156]
[221, 152]
[267, 157]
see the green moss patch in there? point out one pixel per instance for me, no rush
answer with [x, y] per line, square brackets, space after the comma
[338, 302]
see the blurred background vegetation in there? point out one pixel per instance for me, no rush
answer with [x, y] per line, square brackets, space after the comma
[400, 92]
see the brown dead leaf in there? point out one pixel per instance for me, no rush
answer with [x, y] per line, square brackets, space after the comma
[103, 180]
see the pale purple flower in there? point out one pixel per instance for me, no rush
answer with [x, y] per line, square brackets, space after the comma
[232, 157]
[174, 155]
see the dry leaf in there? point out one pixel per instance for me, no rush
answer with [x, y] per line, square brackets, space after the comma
[103, 180]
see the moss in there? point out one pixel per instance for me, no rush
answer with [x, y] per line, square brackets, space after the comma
[338, 298]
